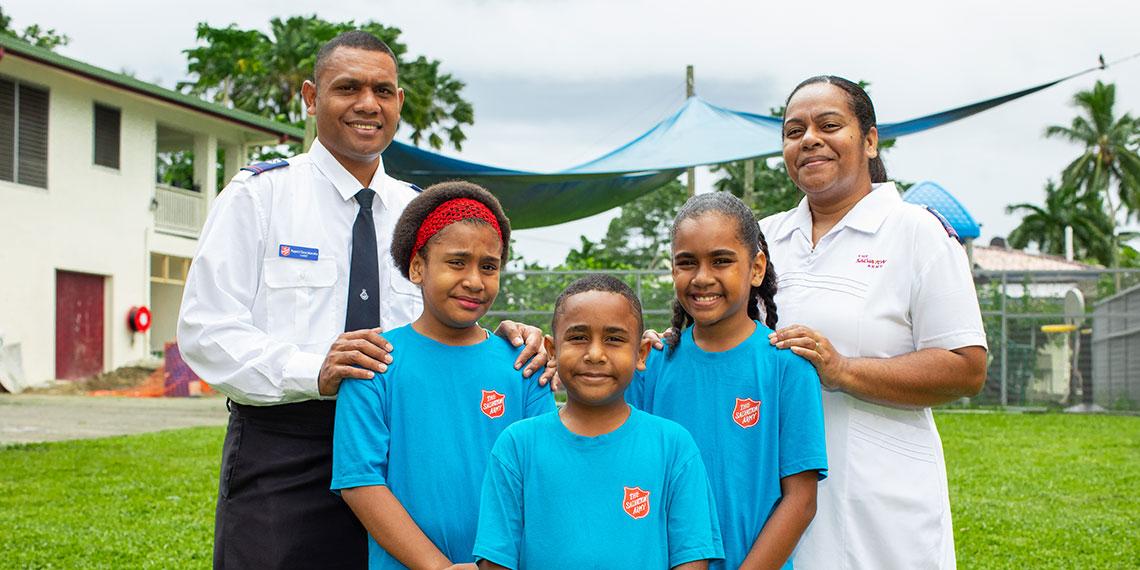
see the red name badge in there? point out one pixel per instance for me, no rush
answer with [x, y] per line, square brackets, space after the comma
[636, 502]
[493, 404]
[747, 412]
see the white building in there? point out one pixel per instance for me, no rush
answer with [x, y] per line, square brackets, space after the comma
[1052, 274]
[86, 231]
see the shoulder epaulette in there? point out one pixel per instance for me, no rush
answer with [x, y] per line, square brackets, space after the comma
[950, 231]
[411, 186]
[259, 167]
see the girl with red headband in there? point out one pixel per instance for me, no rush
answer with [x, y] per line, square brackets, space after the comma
[411, 443]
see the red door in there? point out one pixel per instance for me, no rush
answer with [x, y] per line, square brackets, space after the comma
[78, 325]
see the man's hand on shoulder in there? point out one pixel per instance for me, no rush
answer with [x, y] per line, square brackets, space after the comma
[519, 334]
[354, 354]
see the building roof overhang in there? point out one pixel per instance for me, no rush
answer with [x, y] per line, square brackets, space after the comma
[10, 46]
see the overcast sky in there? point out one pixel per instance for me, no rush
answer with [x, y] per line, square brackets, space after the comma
[557, 82]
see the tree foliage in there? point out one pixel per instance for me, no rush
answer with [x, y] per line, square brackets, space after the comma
[638, 238]
[262, 73]
[772, 190]
[46, 38]
[528, 296]
[1110, 163]
[1096, 188]
[635, 241]
[1044, 226]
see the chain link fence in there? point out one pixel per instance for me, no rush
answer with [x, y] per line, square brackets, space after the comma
[1042, 352]
[528, 296]
[1061, 338]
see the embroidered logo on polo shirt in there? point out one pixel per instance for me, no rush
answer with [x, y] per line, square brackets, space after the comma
[868, 261]
[635, 502]
[493, 404]
[747, 412]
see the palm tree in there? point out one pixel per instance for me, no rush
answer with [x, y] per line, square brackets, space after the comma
[1110, 163]
[1093, 230]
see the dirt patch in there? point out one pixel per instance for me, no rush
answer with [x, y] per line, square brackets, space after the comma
[118, 379]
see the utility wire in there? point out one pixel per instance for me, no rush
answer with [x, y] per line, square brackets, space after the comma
[1104, 65]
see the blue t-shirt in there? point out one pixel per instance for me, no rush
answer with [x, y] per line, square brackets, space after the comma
[425, 429]
[756, 414]
[637, 497]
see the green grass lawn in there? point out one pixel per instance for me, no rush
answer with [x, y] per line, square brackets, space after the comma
[1044, 491]
[1028, 491]
[143, 501]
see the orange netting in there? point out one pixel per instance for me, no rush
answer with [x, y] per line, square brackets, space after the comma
[173, 379]
[157, 385]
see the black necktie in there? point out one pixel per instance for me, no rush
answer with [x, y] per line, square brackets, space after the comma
[364, 273]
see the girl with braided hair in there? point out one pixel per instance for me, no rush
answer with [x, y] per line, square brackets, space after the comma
[754, 410]
[758, 295]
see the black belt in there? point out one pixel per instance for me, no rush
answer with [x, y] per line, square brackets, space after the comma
[309, 415]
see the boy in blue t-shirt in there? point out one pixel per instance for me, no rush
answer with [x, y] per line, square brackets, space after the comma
[599, 484]
[409, 444]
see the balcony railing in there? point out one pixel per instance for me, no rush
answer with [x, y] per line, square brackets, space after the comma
[179, 211]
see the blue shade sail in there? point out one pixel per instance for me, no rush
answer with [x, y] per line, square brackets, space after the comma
[698, 133]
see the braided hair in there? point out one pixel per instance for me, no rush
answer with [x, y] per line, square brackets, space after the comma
[726, 204]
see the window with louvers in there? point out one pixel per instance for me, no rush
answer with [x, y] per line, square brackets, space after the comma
[23, 133]
[7, 130]
[107, 125]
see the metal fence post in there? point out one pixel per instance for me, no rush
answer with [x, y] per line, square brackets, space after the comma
[1004, 339]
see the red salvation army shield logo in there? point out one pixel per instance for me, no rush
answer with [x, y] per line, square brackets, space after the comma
[747, 412]
[493, 403]
[285, 251]
[636, 502]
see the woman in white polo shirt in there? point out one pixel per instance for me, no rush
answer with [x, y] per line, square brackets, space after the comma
[877, 294]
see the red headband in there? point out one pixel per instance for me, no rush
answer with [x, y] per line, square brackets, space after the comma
[448, 213]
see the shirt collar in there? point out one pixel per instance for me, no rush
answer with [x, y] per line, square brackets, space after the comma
[345, 183]
[867, 215]
[800, 219]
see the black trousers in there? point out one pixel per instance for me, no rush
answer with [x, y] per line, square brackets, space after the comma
[275, 509]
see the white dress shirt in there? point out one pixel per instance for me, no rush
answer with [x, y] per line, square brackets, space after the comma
[887, 280]
[257, 324]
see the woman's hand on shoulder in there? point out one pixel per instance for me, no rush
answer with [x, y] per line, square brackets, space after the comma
[813, 346]
[657, 339]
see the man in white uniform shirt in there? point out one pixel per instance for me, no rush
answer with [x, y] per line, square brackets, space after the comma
[291, 286]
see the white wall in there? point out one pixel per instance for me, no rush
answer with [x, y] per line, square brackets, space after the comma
[165, 299]
[90, 219]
